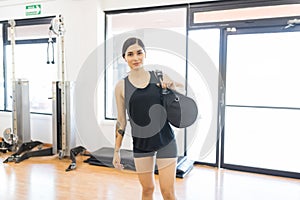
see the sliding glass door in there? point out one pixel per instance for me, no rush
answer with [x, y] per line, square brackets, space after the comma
[262, 103]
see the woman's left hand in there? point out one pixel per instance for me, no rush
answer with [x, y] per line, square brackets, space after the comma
[167, 84]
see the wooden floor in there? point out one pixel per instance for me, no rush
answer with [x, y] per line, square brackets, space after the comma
[44, 178]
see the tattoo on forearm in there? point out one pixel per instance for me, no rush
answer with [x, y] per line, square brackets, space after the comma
[119, 130]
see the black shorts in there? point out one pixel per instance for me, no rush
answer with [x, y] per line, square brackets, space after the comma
[168, 151]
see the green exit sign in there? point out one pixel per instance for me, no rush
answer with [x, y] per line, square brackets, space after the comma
[35, 9]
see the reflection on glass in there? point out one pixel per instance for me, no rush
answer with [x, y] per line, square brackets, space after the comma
[39, 31]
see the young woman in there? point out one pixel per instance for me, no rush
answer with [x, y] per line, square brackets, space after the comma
[153, 138]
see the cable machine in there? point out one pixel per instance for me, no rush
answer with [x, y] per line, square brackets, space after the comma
[63, 122]
[62, 105]
[20, 132]
[18, 139]
[62, 98]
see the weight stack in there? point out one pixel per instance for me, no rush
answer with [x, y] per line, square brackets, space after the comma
[63, 120]
[21, 111]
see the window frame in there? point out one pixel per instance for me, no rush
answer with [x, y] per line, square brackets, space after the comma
[237, 4]
[256, 26]
[140, 10]
[131, 11]
[6, 41]
[277, 27]
[262, 23]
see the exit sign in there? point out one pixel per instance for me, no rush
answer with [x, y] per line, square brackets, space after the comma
[35, 9]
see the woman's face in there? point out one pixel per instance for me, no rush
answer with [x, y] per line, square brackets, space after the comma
[135, 56]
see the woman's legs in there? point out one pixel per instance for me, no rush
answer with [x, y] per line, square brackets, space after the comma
[167, 177]
[166, 160]
[145, 167]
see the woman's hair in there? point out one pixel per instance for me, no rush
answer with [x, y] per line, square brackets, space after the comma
[132, 41]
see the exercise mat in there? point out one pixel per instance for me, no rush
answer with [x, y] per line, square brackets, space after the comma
[104, 157]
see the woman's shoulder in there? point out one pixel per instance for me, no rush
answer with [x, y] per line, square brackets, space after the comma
[120, 84]
[119, 88]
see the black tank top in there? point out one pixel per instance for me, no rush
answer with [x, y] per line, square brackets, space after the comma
[150, 130]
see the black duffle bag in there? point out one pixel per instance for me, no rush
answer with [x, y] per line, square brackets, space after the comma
[182, 111]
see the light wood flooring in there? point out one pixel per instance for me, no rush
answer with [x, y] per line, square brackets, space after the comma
[44, 178]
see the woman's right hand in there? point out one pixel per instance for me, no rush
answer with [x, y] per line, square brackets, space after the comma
[117, 160]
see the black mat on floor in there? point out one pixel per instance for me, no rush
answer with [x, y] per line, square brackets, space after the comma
[104, 157]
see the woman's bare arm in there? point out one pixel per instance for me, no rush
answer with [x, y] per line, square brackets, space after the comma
[121, 118]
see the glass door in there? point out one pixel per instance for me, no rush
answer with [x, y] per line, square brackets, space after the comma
[262, 102]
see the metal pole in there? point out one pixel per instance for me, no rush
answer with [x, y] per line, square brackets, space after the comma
[12, 24]
[57, 27]
[63, 86]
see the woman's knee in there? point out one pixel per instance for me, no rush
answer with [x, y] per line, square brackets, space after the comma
[168, 193]
[148, 189]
